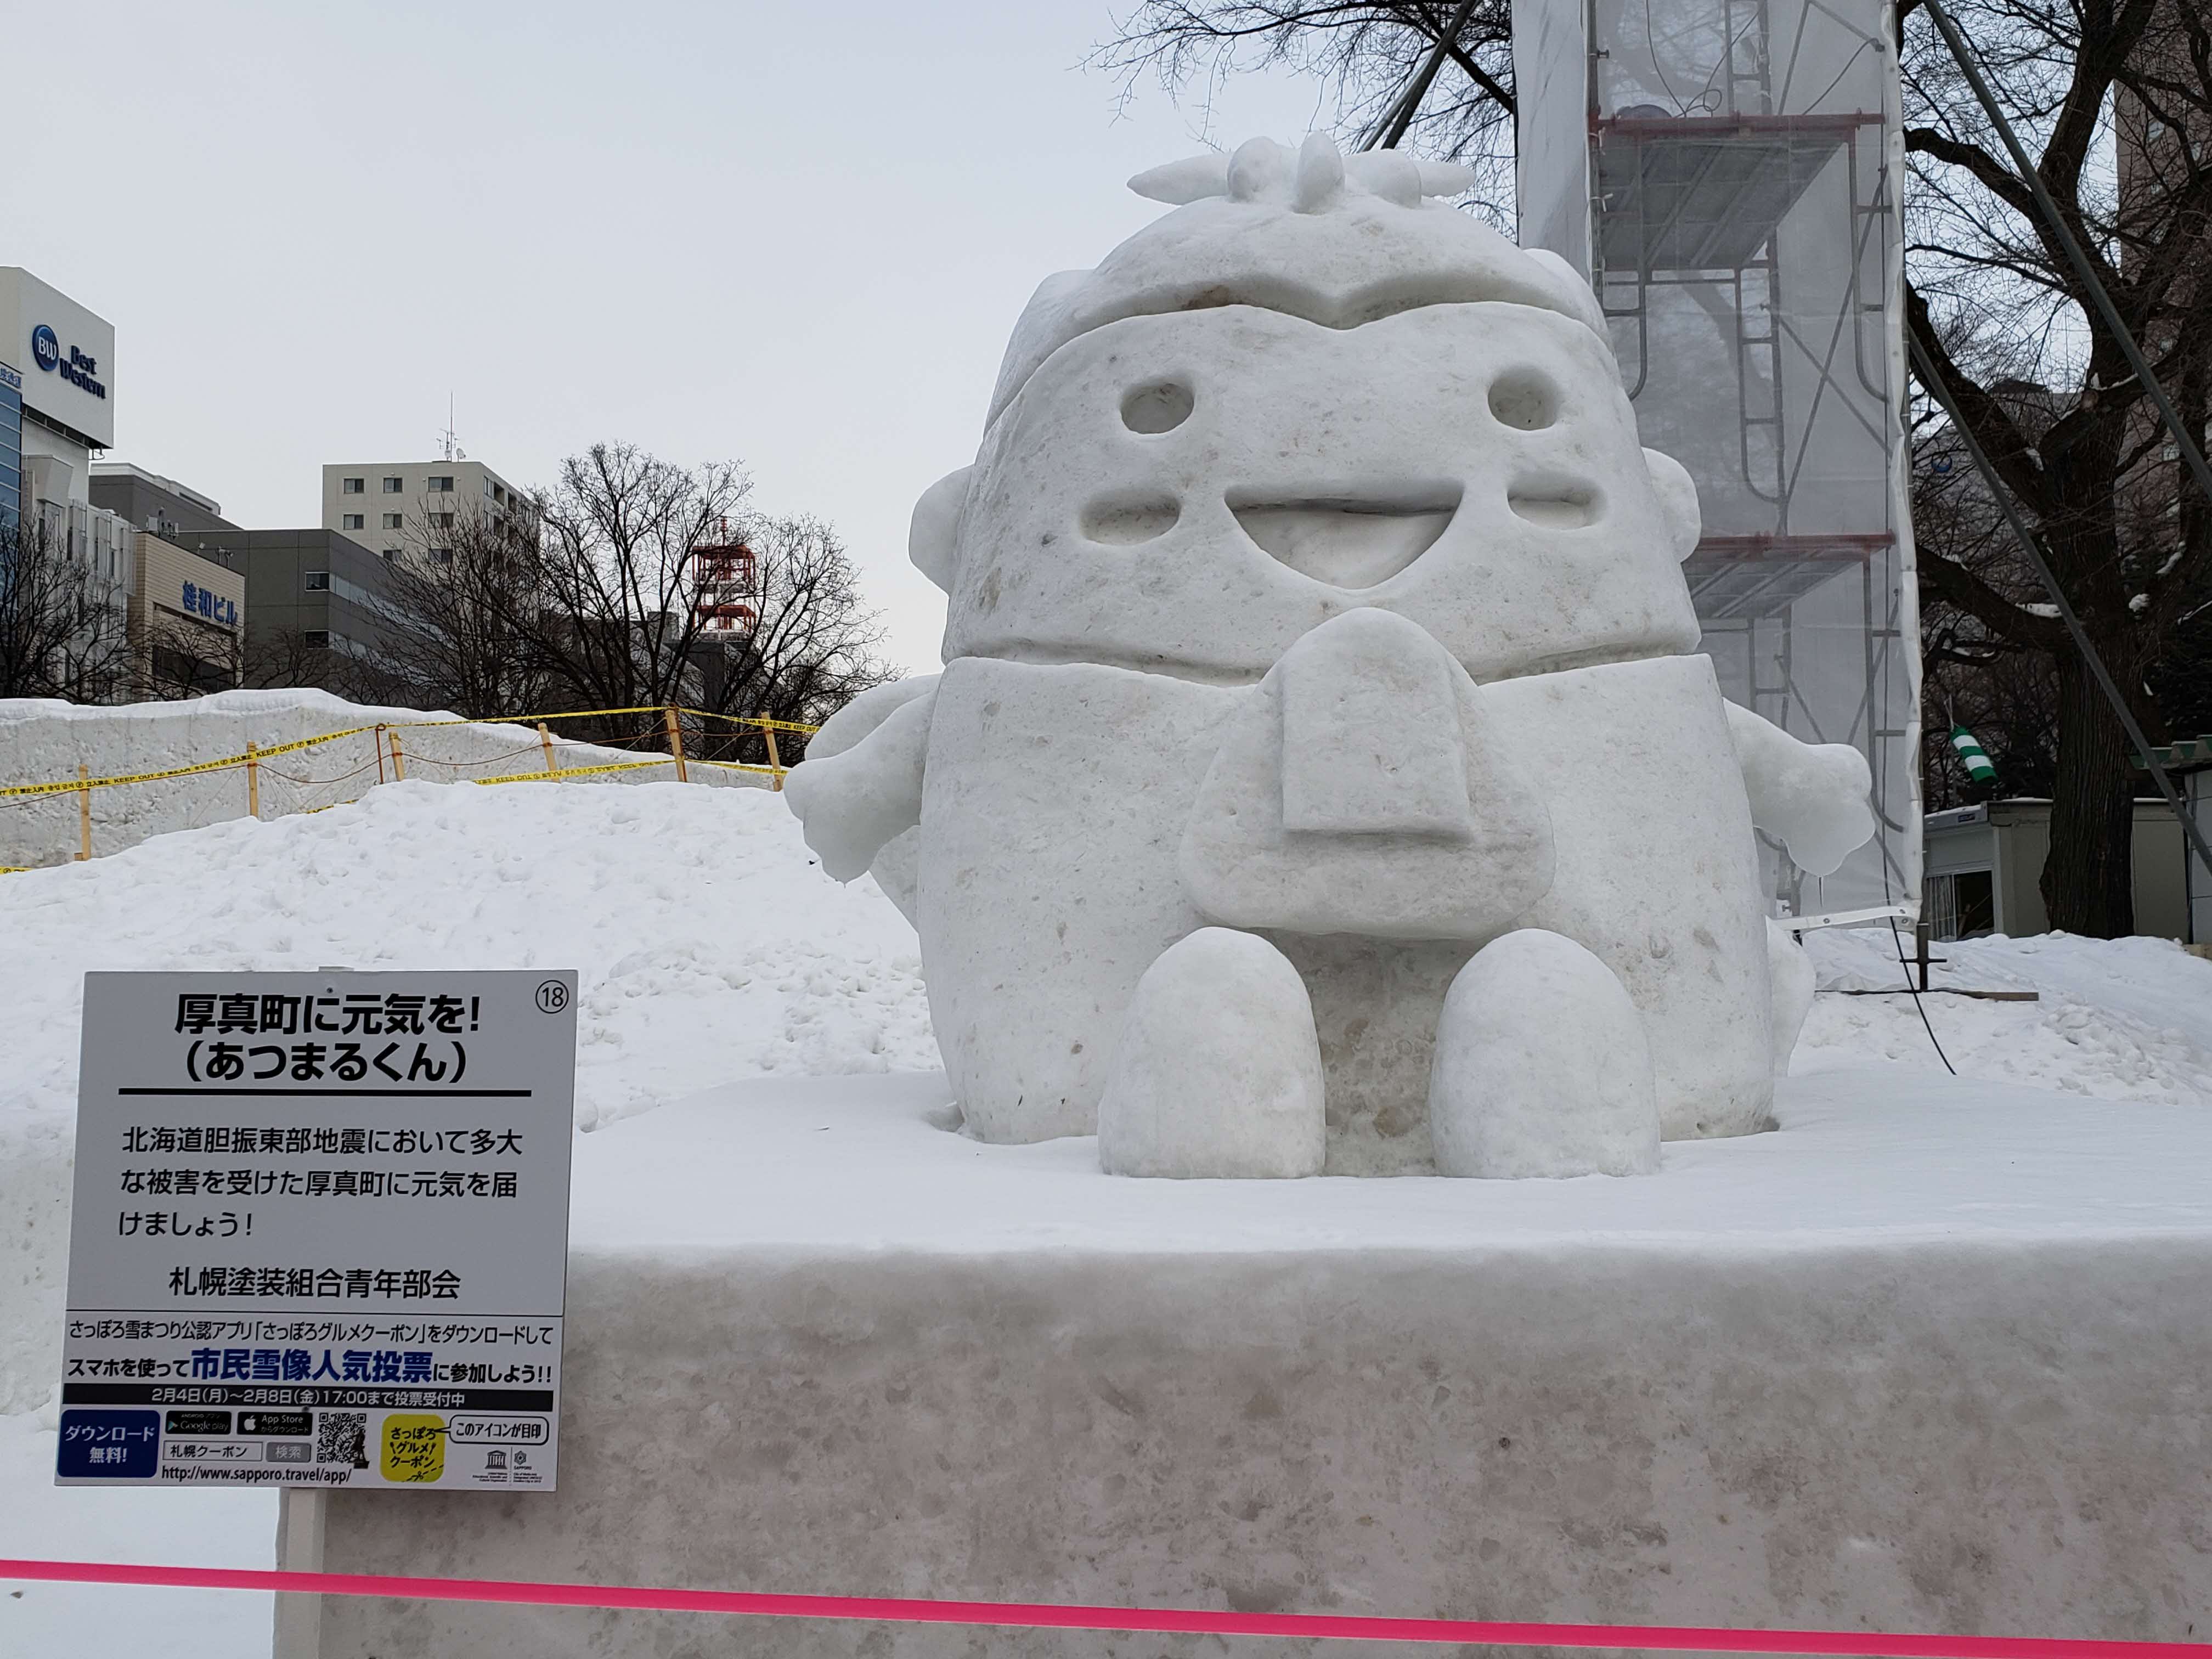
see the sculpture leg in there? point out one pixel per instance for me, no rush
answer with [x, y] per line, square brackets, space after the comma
[1542, 1067]
[1217, 1071]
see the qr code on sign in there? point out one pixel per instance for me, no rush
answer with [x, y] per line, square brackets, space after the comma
[342, 1437]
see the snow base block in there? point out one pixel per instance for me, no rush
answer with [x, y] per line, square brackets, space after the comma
[1931, 1356]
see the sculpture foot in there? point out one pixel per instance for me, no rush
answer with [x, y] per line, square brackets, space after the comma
[1542, 1067]
[1218, 1072]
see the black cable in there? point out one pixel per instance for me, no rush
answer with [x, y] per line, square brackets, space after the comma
[1904, 967]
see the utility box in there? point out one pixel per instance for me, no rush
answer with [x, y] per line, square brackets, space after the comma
[1984, 871]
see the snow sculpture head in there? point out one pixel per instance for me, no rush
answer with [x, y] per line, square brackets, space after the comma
[1307, 390]
[1319, 778]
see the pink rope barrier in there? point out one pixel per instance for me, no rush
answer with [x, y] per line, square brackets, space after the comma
[1050, 1616]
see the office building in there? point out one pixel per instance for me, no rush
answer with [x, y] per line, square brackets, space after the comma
[188, 605]
[417, 507]
[304, 589]
[307, 590]
[56, 413]
[160, 506]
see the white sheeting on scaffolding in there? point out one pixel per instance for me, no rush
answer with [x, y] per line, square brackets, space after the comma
[1726, 172]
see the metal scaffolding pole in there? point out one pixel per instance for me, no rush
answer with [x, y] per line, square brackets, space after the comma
[2033, 550]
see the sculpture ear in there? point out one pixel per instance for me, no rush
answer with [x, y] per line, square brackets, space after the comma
[930, 541]
[1678, 501]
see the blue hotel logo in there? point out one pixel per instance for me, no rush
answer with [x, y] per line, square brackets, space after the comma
[77, 369]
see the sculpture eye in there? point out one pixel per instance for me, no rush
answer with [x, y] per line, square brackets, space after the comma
[1555, 503]
[1158, 407]
[1524, 400]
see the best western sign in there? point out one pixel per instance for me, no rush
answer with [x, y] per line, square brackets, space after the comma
[77, 368]
[64, 354]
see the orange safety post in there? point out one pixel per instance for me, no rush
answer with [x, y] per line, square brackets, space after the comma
[252, 783]
[398, 762]
[83, 815]
[545, 741]
[774, 765]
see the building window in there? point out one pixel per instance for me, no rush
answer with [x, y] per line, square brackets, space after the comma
[350, 520]
[11, 455]
[442, 520]
[317, 639]
[441, 555]
[392, 521]
[317, 581]
[441, 483]
[353, 486]
[392, 486]
[391, 552]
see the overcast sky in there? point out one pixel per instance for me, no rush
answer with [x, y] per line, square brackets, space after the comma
[794, 235]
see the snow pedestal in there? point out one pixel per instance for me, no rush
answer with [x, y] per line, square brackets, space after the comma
[1931, 1356]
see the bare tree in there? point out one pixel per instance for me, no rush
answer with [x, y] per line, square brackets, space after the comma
[2001, 691]
[1997, 305]
[808, 649]
[63, 631]
[2114, 99]
[284, 658]
[177, 659]
[611, 619]
[464, 620]
[596, 596]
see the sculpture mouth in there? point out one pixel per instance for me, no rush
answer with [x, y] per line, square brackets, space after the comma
[1348, 539]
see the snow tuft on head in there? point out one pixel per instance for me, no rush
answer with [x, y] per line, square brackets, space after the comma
[1311, 232]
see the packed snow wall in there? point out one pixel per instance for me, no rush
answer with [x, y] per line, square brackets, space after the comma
[42, 740]
[1726, 172]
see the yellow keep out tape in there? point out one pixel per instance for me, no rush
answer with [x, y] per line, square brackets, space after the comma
[69, 786]
[625, 766]
[579, 771]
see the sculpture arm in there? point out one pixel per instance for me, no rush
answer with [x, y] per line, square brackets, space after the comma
[1813, 796]
[867, 788]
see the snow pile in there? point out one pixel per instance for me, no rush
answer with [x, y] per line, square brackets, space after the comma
[711, 950]
[42, 740]
[2116, 1019]
[710, 947]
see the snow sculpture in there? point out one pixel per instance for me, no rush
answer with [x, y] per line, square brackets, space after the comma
[1320, 777]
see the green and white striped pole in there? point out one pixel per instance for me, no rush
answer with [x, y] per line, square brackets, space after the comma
[1978, 769]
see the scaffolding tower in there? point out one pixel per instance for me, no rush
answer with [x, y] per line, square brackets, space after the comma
[725, 583]
[1726, 173]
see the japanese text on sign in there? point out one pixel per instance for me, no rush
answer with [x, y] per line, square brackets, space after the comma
[321, 1230]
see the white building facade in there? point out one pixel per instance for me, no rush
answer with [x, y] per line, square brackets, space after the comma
[417, 507]
[57, 414]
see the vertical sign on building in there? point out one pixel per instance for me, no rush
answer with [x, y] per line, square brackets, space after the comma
[320, 1230]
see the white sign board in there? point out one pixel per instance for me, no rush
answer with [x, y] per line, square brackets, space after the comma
[320, 1230]
[64, 354]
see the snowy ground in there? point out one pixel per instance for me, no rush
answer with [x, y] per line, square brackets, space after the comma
[711, 950]
[2116, 1019]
